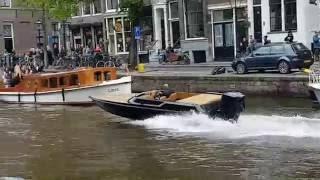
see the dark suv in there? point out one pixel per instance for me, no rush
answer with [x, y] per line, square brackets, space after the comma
[281, 56]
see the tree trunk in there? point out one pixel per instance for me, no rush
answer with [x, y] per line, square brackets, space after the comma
[133, 52]
[45, 40]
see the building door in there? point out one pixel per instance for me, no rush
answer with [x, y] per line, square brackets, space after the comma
[224, 41]
[257, 23]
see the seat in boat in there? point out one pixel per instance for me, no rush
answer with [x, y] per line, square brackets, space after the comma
[202, 99]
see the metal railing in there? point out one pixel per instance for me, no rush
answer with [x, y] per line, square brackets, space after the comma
[314, 78]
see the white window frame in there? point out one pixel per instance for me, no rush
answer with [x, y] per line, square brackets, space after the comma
[82, 10]
[112, 10]
[93, 8]
[170, 18]
[12, 34]
[283, 17]
[185, 25]
[10, 4]
[115, 34]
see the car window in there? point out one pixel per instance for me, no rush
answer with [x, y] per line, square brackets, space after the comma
[277, 50]
[299, 47]
[262, 51]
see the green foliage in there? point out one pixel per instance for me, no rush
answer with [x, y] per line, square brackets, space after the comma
[133, 8]
[57, 9]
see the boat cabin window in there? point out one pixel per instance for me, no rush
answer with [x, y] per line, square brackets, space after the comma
[107, 76]
[74, 80]
[44, 83]
[53, 82]
[97, 76]
[62, 81]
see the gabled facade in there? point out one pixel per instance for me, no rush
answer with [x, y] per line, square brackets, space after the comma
[102, 23]
[211, 34]
[18, 28]
[275, 18]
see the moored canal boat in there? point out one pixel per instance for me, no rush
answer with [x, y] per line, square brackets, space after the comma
[227, 106]
[67, 88]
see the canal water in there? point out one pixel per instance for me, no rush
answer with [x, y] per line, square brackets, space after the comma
[275, 139]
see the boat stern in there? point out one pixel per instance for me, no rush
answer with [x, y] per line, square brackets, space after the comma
[232, 104]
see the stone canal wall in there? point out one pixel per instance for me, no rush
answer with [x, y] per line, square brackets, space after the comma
[273, 85]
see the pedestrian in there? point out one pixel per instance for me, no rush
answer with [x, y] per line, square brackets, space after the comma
[50, 56]
[7, 78]
[55, 51]
[243, 45]
[252, 44]
[266, 40]
[316, 45]
[289, 37]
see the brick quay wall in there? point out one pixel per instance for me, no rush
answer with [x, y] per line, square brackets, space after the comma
[273, 85]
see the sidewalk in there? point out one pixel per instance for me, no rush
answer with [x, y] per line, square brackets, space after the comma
[205, 69]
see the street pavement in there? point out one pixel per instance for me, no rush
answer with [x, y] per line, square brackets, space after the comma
[199, 70]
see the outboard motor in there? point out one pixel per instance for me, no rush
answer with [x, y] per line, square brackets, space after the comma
[232, 104]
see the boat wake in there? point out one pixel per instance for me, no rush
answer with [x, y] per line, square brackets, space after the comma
[247, 126]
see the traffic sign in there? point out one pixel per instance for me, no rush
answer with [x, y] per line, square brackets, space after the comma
[137, 32]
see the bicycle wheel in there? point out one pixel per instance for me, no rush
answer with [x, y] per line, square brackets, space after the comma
[109, 64]
[100, 64]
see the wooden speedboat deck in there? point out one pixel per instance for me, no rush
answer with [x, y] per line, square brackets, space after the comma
[202, 99]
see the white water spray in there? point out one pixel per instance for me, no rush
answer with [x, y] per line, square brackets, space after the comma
[247, 126]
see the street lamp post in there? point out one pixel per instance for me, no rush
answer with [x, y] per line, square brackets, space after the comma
[39, 36]
[64, 33]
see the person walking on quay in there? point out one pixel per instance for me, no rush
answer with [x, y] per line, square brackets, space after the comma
[7, 78]
[289, 37]
[316, 45]
[266, 40]
[252, 44]
[55, 51]
[243, 45]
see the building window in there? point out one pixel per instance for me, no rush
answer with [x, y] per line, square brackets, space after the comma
[97, 6]
[119, 33]
[5, 3]
[174, 10]
[87, 33]
[194, 18]
[8, 37]
[290, 14]
[223, 15]
[86, 9]
[275, 15]
[112, 4]
[256, 2]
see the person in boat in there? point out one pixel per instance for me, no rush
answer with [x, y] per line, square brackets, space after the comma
[164, 93]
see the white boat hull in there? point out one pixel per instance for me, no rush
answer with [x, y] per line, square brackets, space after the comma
[79, 95]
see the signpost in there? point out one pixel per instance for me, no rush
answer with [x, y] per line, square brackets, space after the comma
[137, 36]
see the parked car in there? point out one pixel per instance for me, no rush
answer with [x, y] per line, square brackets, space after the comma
[281, 56]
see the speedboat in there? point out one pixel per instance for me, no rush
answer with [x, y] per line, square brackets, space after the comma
[66, 87]
[227, 106]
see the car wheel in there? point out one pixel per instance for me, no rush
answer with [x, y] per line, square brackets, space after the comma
[284, 67]
[241, 68]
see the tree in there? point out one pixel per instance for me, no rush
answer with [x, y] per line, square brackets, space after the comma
[56, 9]
[134, 10]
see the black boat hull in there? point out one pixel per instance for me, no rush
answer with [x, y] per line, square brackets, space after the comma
[131, 111]
[230, 107]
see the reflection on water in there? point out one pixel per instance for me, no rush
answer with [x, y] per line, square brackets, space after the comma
[274, 139]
